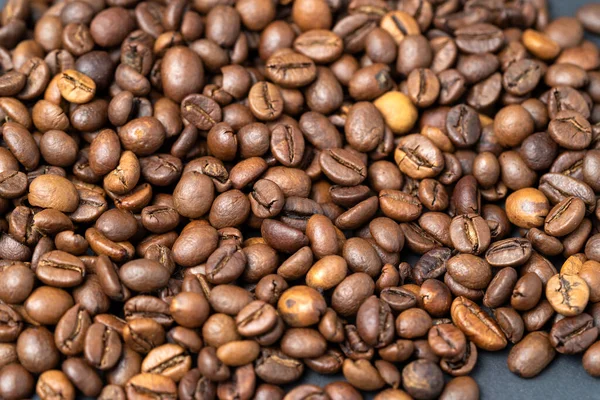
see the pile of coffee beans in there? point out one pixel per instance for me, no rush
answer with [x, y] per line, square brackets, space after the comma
[204, 199]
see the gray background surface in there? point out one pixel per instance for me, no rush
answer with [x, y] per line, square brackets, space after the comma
[564, 379]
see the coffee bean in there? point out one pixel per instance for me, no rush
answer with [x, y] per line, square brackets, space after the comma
[470, 271]
[565, 217]
[342, 167]
[414, 372]
[54, 383]
[374, 322]
[152, 135]
[568, 294]
[446, 340]
[522, 77]
[150, 383]
[370, 82]
[287, 144]
[60, 269]
[530, 356]
[76, 87]
[527, 292]
[418, 157]
[479, 38]
[143, 275]
[573, 334]
[398, 111]
[470, 234]
[304, 316]
[163, 128]
[510, 322]
[540, 44]
[500, 288]
[167, 360]
[477, 325]
[321, 46]
[364, 127]
[102, 347]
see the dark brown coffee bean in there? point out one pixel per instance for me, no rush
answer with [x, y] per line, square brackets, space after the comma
[47, 304]
[370, 82]
[530, 356]
[573, 335]
[470, 234]
[287, 144]
[277, 368]
[83, 376]
[60, 269]
[201, 111]
[423, 87]
[143, 275]
[374, 322]
[522, 77]
[570, 130]
[364, 127]
[102, 347]
[479, 38]
[322, 46]
[185, 198]
[527, 292]
[508, 252]
[415, 372]
[290, 69]
[500, 288]
[446, 340]
[351, 292]
[470, 271]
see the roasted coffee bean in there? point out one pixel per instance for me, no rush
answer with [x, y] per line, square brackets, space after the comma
[374, 322]
[480, 328]
[343, 167]
[510, 322]
[500, 289]
[573, 334]
[446, 340]
[530, 356]
[527, 292]
[418, 157]
[522, 77]
[470, 271]
[413, 375]
[167, 360]
[311, 303]
[256, 244]
[143, 275]
[143, 334]
[54, 383]
[102, 347]
[568, 294]
[470, 234]
[47, 304]
[565, 217]
[16, 283]
[152, 384]
[413, 323]
[508, 252]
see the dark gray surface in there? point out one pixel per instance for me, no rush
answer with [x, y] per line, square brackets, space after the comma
[564, 379]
